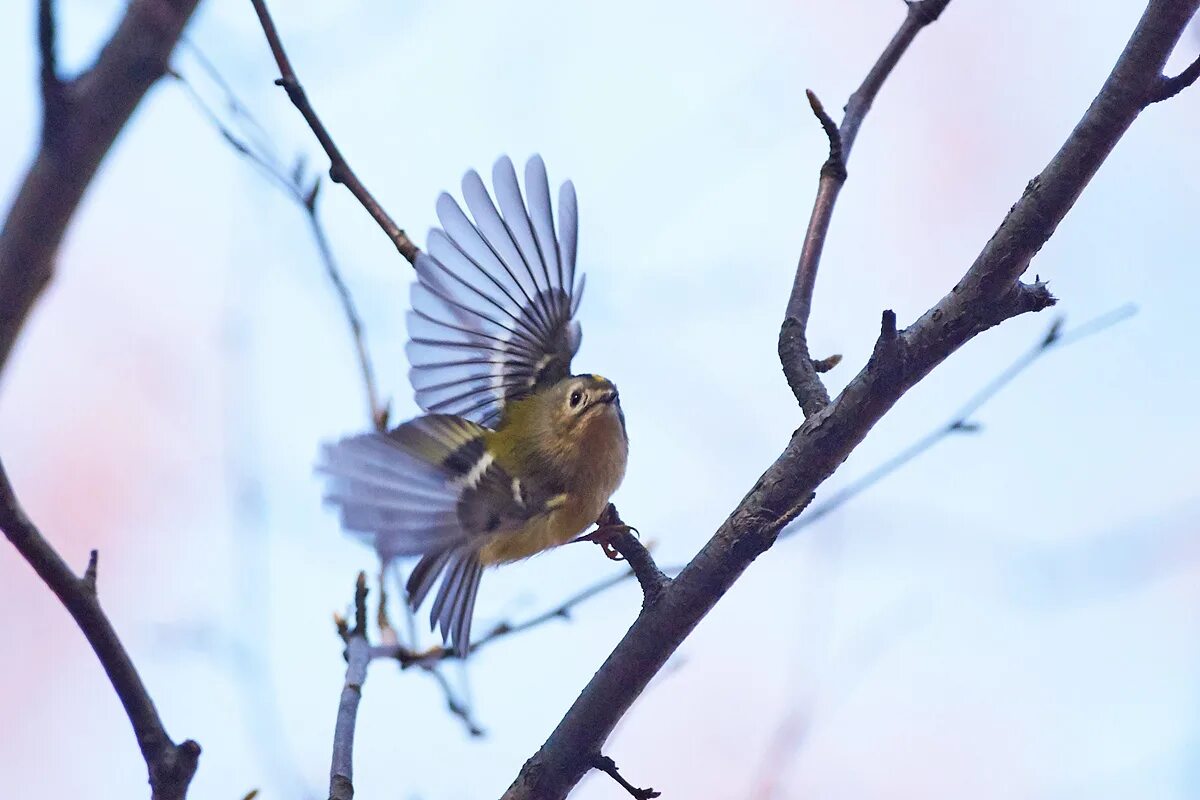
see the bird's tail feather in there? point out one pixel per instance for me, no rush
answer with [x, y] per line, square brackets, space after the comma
[455, 602]
[400, 493]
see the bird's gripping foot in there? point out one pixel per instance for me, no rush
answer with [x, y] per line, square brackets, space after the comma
[608, 527]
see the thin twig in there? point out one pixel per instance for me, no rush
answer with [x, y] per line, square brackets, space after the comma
[562, 611]
[609, 768]
[358, 658]
[378, 410]
[260, 152]
[170, 765]
[798, 366]
[339, 169]
[961, 421]
[456, 707]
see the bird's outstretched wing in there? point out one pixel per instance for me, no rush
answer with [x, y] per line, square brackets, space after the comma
[430, 488]
[493, 307]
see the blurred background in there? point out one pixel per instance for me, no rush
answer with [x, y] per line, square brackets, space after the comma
[1013, 614]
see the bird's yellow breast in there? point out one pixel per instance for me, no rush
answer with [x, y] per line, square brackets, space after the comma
[592, 473]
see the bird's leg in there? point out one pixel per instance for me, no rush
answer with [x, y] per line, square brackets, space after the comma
[608, 527]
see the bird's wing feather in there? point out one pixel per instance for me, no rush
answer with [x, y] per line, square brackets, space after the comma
[493, 307]
[430, 488]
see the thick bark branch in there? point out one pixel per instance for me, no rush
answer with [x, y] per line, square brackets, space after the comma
[170, 765]
[988, 293]
[798, 367]
[81, 120]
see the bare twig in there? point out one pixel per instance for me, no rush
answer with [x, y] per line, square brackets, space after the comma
[988, 293]
[339, 169]
[358, 658]
[961, 421]
[378, 410]
[457, 707]
[260, 152]
[609, 768]
[81, 122]
[651, 578]
[1173, 86]
[89, 574]
[794, 356]
[170, 766]
[407, 657]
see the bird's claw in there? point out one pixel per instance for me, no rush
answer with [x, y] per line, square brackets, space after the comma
[604, 535]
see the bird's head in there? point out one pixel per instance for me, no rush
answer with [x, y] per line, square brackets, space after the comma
[579, 403]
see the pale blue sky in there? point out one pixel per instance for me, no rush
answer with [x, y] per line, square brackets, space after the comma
[1011, 616]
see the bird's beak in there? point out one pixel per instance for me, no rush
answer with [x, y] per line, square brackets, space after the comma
[611, 395]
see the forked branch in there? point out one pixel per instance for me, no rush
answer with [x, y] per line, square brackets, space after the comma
[798, 366]
[170, 766]
[988, 293]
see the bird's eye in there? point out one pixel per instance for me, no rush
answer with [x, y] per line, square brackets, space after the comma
[576, 398]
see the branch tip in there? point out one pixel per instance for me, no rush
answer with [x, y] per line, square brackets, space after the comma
[360, 605]
[89, 574]
[834, 166]
[609, 767]
[887, 326]
[827, 363]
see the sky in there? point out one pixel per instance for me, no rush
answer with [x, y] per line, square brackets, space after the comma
[1011, 615]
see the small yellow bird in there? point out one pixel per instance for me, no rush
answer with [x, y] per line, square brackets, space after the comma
[516, 454]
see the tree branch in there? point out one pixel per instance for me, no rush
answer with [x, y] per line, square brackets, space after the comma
[81, 120]
[626, 543]
[54, 108]
[1169, 87]
[339, 169]
[962, 421]
[260, 152]
[358, 658]
[170, 765]
[609, 768]
[798, 366]
[988, 293]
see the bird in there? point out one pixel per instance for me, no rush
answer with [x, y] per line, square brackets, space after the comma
[515, 454]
